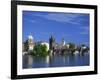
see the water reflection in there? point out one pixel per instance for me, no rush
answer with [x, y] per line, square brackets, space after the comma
[30, 61]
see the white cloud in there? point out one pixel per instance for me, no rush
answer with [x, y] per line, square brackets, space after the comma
[72, 18]
[30, 20]
[84, 30]
[61, 17]
[84, 27]
[84, 33]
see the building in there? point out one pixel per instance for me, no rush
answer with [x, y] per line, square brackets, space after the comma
[63, 42]
[67, 45]
[30, 42]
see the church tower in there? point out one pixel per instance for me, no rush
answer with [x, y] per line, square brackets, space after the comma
[63, 42]
[30, 42]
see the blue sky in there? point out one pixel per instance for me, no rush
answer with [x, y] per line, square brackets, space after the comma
[73, 27]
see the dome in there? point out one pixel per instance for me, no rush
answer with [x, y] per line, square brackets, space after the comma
[30, 37]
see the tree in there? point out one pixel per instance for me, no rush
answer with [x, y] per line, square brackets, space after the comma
[40, 50]
[85, 48]
[26, 47]
[71, 46]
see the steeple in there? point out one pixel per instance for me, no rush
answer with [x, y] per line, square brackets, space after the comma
[63, 42]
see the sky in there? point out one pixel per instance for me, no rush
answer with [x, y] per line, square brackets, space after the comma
[73, 27]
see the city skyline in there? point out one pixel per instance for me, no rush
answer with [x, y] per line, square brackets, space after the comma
[73, 27]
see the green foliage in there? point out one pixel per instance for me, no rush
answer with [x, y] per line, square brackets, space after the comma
[40, 50]
[26, 47]
[71, 46]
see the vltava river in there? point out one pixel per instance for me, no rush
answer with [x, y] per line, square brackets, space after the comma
[30, 61]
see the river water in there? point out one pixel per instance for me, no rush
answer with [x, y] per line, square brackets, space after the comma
[30, 61]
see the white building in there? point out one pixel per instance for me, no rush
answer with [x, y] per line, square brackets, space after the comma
[63, 42]
[67, 45]
[30, 42]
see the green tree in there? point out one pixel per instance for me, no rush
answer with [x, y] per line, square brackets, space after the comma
[26, 47]
[71, 46]
[40, 50]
